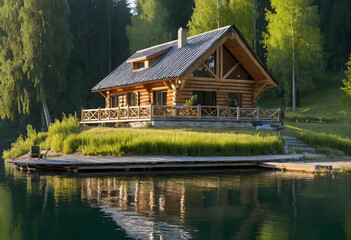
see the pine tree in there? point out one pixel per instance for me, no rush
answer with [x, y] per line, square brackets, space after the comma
[294, 46]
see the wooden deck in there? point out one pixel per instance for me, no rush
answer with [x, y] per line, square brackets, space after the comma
[142, 163]
[181, 113]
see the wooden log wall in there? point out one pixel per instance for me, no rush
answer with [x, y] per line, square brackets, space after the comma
[145, 94]
[221, 87]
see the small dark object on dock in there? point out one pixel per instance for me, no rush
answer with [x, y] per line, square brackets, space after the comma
[35, 153]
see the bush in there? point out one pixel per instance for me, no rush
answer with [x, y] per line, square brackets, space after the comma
[54, 138]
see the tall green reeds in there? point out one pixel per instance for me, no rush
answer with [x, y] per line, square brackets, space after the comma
[171, 142]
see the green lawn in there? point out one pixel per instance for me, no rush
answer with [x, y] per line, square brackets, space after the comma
[333, 139]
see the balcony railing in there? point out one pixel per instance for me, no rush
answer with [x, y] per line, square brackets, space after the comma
[156, 112]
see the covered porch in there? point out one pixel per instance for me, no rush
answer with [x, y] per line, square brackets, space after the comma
[179, 113]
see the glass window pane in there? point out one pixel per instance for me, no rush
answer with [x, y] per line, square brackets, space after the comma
[205, 98]
[160, 97]
[201, 71]
[234, 100]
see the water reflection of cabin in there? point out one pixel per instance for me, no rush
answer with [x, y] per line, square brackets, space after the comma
[217, 66]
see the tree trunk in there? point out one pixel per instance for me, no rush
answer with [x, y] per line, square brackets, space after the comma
[218, 24]
[46, 112]
[254, 26]
[293, 64]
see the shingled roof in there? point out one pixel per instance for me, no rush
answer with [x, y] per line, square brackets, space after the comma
[172, 64]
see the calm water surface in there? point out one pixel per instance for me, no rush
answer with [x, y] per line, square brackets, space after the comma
[242, 204]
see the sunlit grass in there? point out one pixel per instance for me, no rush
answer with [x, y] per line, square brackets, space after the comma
[322, 136]
[68, 137]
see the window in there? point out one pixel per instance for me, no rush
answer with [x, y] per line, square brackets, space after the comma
[114, 101]
[203, 72]
[132, 99]
[234, 99]
[140, 65]
[160, 98]
[205, 98]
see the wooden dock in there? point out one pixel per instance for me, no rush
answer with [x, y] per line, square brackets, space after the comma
[148, 163]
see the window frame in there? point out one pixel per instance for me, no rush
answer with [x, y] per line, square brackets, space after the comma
[136, 98]
[203, 100]
[163, 97]
[240, 99]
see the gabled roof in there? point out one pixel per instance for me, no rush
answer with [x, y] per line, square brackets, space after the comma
[172, 64]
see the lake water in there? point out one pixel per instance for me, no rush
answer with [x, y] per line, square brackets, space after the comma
[240, 204]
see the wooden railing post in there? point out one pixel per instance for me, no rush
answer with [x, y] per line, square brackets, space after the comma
[258, 113]
[127, 111]
[218, 112]
[237, 113]
[279, 113]
[99, 114]
[109, 114]
[139, 111]
[199, 112]
[82, 116]
[118, 113]
[151, 111]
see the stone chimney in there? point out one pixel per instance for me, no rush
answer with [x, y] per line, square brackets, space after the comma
[182, 37]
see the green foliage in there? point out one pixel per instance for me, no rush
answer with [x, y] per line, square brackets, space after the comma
[294, 25]
[54, 138]
[35, 46]
[208, 16]
[347, 82]
[148, 27]
[193, 101]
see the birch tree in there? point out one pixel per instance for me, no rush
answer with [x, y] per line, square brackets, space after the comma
[294, 46]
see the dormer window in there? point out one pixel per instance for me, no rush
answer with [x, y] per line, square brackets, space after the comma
[140, 65]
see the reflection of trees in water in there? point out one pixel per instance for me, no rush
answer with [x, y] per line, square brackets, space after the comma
[9, 229]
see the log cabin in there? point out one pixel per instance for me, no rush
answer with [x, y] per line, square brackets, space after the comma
[218, 66]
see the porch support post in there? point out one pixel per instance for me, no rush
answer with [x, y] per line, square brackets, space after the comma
[99, 114]
[199, 112]
[119, 113]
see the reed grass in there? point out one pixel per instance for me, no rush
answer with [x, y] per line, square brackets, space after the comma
[68, 137]
[171, 142]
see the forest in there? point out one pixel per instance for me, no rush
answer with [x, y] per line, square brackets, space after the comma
[53, 52]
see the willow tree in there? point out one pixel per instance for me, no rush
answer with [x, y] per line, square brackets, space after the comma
[34, 48]
[212, 14]
[347, 81]
[15, 87]
[294, 46]
[46, 44]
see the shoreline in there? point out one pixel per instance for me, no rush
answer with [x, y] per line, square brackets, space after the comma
[75, 163]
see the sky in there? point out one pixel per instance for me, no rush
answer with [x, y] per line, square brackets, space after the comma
[131, 3]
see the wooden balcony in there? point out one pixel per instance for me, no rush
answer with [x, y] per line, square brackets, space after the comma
[180, 113]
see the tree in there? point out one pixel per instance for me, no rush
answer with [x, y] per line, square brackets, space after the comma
[294, 46]
[347, 82]
[46, 46]
[35, 45]
[148, 26]
[212, 14]
[15, 87]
